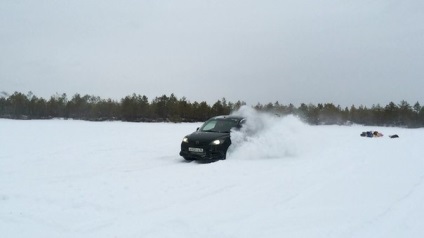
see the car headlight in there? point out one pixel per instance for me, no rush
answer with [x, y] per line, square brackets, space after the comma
[217, 142]
[185, 140]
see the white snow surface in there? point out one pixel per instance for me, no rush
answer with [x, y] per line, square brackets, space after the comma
[282, 178]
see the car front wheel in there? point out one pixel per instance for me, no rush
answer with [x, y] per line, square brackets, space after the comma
[188, 158]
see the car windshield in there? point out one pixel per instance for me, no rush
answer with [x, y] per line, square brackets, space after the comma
[219, 125]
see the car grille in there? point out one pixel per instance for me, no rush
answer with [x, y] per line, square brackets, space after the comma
[198, 143]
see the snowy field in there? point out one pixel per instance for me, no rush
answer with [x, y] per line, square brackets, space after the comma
[66, 178]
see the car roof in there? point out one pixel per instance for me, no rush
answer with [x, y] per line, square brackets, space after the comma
[229, 117]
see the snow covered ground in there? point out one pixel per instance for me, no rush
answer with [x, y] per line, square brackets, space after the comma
[65, 178]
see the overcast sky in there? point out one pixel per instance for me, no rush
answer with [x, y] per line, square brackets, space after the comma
[291, 51]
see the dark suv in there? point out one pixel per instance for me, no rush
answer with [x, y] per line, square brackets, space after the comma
[210, 142]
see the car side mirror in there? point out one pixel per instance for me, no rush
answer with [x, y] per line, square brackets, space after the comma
[197, 128]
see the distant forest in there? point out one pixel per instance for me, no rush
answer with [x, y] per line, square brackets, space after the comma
[138, 108]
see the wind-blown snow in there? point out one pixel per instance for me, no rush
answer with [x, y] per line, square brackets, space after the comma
[267, 136]
[282, 178]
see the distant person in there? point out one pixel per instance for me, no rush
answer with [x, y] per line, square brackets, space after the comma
[377, 134]
[371, 134]
[366, 134]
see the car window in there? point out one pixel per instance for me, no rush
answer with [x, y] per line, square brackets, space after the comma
[219, 125]
[208, 126]
[226, 125]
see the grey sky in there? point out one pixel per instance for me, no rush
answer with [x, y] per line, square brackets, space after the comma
[292, 51]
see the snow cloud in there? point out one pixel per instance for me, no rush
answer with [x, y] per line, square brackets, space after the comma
[267, 136]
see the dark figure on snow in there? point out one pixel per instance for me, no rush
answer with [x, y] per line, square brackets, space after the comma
[371, 134]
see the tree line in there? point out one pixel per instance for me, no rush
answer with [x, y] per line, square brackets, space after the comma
[138, 108]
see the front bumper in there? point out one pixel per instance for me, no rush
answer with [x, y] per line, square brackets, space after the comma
[209, 153]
